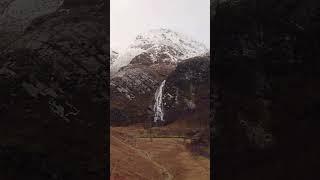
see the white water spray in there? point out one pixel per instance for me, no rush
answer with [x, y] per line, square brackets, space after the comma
[158, 105]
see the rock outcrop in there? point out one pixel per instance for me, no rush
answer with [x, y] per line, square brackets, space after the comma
[187, 93]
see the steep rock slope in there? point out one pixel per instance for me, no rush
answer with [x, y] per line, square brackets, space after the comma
[133, 86]
[186, 93]
[54, 93]
[186, 98]
[132, 91]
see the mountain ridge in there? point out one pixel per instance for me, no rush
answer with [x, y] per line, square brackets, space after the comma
[159, 45]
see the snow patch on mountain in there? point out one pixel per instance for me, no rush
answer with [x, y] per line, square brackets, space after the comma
[185, 45]
[124, 59]
[163, 44]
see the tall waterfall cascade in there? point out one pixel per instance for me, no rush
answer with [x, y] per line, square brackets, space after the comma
[158, 105]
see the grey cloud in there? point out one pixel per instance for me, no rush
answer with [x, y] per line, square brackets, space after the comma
[130, 17]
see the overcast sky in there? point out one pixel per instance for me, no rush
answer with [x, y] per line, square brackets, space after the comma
[131, 17]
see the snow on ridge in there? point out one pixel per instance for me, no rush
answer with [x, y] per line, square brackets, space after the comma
[180, 42]
[176, 46]
[124, 59]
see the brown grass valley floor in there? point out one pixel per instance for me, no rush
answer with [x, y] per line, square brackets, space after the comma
[135, 157]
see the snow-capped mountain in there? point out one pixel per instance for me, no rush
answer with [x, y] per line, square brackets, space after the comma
[159, 45]
[185, 46]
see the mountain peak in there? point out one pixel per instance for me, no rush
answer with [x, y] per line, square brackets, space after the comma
[164, 36]
[161, 45]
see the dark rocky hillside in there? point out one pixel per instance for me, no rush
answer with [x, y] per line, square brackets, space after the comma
[133, 89]
[141, 68]
[266, 74]
[186, 92]
[54, 97]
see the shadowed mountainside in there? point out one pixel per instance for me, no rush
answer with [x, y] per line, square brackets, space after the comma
[54, 97]
[266, 88]
[186, 93]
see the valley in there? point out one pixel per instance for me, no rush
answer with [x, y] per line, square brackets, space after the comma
[165, 156]
[159, 107]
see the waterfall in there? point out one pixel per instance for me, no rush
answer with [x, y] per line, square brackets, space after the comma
[158, 105]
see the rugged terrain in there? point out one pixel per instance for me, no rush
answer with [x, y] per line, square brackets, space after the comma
[179, 148]
[54, 95]
[187, 91]
[154, 55]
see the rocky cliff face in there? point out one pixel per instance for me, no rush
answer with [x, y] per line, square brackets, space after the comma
[187, 91]
[54, 94]
[132, 90]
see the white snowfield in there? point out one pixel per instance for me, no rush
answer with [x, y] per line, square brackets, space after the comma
[176, 45]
